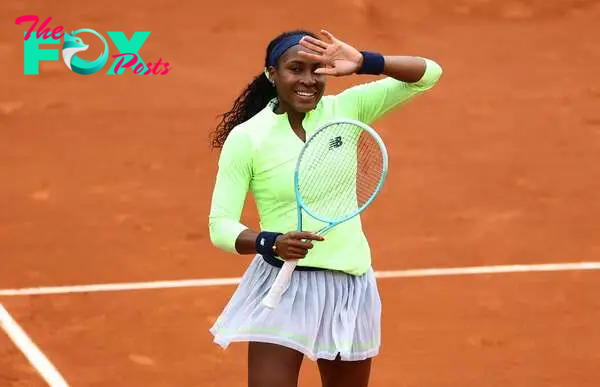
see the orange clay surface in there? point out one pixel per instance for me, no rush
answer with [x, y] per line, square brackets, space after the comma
[108, 179]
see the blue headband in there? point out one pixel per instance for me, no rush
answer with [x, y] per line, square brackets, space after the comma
[282, 46]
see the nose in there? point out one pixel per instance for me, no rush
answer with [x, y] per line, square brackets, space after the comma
[309, 78]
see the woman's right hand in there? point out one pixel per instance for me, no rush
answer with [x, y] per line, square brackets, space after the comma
[295, 244]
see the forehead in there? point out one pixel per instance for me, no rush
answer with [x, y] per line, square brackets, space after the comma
[291, 55]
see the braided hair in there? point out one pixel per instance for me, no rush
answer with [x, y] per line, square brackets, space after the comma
[253, 99]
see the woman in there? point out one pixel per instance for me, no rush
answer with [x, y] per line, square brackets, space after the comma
[331, 309]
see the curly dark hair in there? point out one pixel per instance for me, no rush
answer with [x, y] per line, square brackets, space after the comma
[253, 99]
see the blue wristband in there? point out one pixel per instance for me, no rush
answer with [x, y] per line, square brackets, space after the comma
[265, 243]
[373, 63]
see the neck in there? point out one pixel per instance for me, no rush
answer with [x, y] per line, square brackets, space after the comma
[294, 117]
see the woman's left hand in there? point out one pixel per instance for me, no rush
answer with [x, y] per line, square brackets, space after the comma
[338, 58]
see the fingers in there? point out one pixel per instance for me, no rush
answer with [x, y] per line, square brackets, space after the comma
[300, 244]
[295, 244]
[313, 44]
[326, 71]
[314, 57]
[318, 58]
[328, 35]
[312, 48]
[295, 253]
[306, 235]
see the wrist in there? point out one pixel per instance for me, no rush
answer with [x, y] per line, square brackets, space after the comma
[265, 243]
[275, 247]
[373, 63]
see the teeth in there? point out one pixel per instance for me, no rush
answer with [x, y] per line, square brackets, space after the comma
[303, 94]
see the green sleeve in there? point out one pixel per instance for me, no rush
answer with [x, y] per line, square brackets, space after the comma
[230, 190]
[370, 101]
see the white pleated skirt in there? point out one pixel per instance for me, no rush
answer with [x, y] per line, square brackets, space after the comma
[321, 314]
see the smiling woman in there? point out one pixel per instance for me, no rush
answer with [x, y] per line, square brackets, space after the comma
[299, 85]
[261, 90]
[331, 309]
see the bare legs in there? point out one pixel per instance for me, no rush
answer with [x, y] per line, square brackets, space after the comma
[338, 373]
[271, 365]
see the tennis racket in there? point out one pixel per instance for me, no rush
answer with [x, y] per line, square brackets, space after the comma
[340, 171]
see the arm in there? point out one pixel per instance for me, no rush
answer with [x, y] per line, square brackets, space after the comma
[291, 245]
[408, 69]
[230, 190]
[340, 58]
[368, 102]
[246, 242]
[407, 76]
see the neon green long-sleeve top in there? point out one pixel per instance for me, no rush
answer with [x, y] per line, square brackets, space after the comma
[259, 156]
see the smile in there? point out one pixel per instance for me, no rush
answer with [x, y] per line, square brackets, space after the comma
[306, 94]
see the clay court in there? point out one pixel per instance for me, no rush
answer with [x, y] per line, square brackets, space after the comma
[107, 180]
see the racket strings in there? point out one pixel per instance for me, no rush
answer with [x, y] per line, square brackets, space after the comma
[325, 187]
[339, 171]
[369, 167]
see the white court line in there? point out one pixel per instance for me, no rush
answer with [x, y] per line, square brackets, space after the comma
[30, 350]
[234, 281]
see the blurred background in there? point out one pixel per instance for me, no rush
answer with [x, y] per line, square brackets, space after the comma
[108, 178]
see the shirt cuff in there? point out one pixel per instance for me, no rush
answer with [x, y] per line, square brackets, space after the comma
[433, 72]
[224, 234]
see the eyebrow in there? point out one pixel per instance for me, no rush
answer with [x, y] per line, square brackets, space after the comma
[303, 63]
[296, 61]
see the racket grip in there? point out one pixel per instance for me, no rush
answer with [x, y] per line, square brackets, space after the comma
[272, 298]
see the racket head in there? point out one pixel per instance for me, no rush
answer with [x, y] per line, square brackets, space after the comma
[344, 161]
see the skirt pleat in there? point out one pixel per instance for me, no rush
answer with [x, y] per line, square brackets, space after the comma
[322, 314]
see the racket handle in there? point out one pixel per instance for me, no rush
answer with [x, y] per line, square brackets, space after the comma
[272, 298]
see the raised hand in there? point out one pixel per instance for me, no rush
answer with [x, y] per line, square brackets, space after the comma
[339, 58]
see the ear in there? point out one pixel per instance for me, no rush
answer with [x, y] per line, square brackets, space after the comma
[270, 74]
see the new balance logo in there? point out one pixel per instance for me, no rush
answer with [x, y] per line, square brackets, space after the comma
[335, 142]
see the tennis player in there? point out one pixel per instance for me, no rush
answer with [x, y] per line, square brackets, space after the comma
[331, 310]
